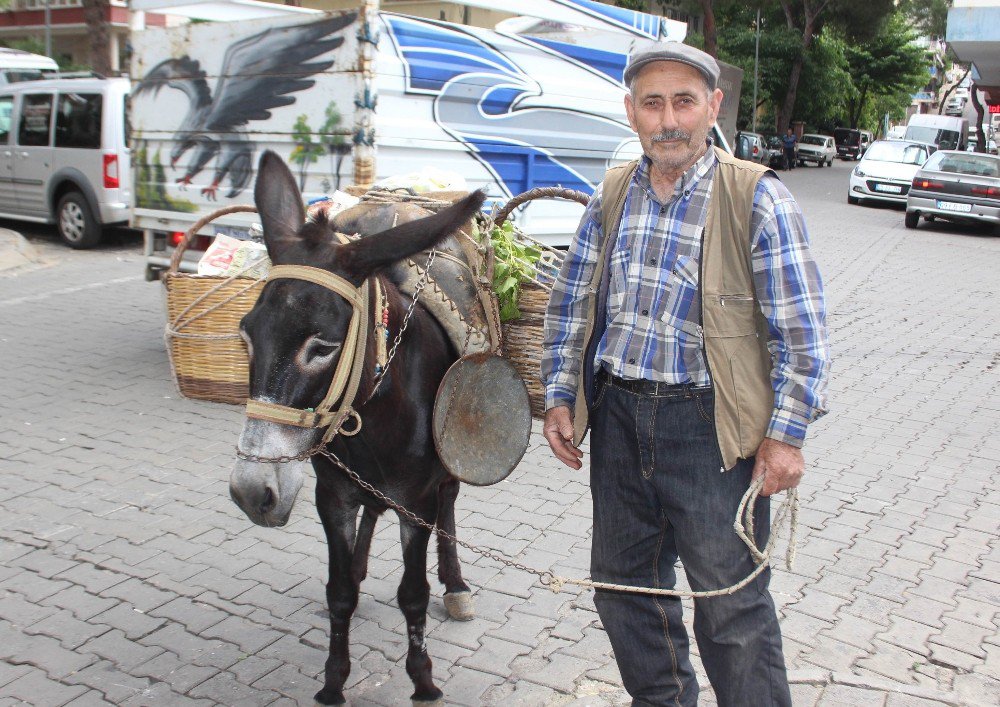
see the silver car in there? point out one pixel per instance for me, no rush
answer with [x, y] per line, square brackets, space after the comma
[957, 186]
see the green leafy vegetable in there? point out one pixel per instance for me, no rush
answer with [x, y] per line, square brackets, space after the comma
[514, 264]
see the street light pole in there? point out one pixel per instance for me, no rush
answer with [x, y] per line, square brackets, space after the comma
[48, 30]
[756, 62]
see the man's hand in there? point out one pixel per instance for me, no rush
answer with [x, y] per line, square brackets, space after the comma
[558, 431]
[779, 463]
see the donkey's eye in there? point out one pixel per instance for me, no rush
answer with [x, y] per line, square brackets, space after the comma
[317, 349]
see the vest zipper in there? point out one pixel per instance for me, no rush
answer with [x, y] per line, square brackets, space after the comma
[704, 347]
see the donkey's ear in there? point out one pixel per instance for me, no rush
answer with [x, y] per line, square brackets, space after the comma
[364, 256]
[279, 204]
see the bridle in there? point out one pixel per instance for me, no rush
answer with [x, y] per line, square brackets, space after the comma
[346, 377]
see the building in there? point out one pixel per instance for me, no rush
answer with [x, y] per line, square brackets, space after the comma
[974, 36]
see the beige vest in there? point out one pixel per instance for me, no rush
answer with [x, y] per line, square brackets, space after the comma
[735, 329]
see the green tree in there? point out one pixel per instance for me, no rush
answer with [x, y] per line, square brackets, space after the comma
[930, 17]
[888, 64]
[334, 142]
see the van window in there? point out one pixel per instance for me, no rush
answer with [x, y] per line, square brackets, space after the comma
[6, 109]
[78, 120]
[36, 116]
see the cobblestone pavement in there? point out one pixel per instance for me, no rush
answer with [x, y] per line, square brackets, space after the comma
[128, 576]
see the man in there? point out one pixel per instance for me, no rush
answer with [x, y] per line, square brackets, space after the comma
[788, 145]
[687, 326]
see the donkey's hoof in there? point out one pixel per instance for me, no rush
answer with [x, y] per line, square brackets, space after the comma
[459, 605]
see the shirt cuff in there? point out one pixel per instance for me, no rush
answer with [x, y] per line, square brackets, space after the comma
[556, 396]
[788, 426]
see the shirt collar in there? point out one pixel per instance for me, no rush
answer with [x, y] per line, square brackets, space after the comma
[688, 181]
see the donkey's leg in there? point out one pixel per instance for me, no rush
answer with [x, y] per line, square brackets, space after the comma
[457, 597]
[363, 545]
[413, 595]
[341, 592]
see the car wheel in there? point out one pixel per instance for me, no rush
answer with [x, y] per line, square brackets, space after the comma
[76, 222]
[911, 219]
[853, 200]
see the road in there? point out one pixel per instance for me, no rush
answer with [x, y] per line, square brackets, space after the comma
[129, 577]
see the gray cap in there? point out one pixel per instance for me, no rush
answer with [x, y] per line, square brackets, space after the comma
[649, 52]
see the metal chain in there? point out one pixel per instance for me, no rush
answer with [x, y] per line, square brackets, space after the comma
[417, 289]
[546, 576]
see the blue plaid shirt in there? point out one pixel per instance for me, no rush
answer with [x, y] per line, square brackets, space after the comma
[654, 309]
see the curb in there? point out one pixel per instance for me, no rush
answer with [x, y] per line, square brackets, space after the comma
[15, 250]
[823, 678]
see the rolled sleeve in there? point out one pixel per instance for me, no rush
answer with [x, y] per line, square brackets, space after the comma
[565, 317]
[790, 291]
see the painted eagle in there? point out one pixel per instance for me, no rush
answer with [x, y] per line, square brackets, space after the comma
[258, 75]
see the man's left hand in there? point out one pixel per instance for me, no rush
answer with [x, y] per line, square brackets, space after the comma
[780, 464]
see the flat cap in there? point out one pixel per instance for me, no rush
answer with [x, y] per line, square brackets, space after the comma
[649, 52]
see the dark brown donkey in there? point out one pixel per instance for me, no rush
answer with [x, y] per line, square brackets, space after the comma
[294, 334]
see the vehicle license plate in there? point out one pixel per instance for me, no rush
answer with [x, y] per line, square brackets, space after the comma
[889, 188]
[233, 232]
[949, 206]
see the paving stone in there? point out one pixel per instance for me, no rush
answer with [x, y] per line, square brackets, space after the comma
[139, 594]
[224, 689]
[289, 682]
[843, 695]
[67, 629]
[169, 669]
[111, 682]
[36, 686]
[494, 656]
[42, 652]
[192, 648]
[126, 654]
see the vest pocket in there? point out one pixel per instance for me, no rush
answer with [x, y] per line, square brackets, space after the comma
[730, 315]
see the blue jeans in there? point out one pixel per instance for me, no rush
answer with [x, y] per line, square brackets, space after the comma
[658, 495]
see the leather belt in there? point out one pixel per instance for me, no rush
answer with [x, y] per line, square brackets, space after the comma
[648, 387]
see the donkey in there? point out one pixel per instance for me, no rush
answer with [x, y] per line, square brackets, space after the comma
[295, 336]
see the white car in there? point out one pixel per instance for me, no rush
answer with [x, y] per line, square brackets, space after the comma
[817, 148]
[886, 171]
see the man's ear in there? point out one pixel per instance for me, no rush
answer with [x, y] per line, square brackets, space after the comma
[630, 111]
[715, 101]
[279, 205]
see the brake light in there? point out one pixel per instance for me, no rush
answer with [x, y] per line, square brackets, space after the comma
[919, 183]
[200, 242]
[111, 180]
[756, 149]
[992, 192]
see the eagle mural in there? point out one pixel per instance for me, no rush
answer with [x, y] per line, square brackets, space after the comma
[258, 74]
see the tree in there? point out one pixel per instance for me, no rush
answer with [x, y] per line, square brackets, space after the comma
[306, 150]
[95, 14]
[930, 17]
[887, 64]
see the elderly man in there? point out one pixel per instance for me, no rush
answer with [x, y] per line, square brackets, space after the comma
[688, 328]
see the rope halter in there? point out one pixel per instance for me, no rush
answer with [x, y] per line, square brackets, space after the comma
[346, 377]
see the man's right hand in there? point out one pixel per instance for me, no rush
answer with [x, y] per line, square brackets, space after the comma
[558, 431]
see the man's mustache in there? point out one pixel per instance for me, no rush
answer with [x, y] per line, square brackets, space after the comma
[665, 135]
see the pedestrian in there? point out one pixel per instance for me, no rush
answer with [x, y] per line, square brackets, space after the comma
[788, 144]
[687, 326]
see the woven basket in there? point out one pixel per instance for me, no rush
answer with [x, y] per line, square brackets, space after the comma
[522, 337]
[208, 358]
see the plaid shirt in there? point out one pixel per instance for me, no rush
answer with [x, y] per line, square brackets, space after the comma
[654, 309]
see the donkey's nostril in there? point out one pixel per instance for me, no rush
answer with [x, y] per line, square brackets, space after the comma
[268, 502]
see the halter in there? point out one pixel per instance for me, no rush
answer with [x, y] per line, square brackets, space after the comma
[346, 377]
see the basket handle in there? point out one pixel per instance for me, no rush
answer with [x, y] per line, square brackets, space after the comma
[540, 193]
[175, 259]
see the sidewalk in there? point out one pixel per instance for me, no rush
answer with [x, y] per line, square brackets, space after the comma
[15, 250]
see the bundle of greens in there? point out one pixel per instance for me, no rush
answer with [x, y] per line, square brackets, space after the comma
[515, 263]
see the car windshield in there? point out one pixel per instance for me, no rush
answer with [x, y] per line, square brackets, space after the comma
[896, 152]
[979, 165]
[813, 140]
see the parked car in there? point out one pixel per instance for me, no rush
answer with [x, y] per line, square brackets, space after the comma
[954, 106]
[64, 155]
[887, 170]
[851, 143]
[750, 146]
[957, 186]
[947, 132]
[775, 152]
[816, 148]
[17, 65]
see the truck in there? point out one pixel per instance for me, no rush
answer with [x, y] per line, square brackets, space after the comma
[355, 96]
[943, 131]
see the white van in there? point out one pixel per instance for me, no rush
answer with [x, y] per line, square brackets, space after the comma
[943, 131]
[17, 65]
[63, 155]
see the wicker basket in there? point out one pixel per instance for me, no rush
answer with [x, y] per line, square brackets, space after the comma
[522, 337]
[208, 358]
